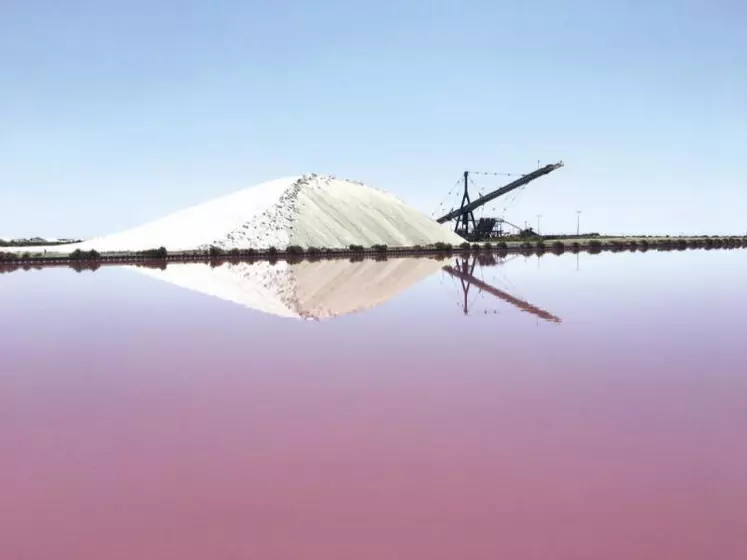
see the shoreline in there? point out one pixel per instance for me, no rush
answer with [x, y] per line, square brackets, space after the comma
[160, 258]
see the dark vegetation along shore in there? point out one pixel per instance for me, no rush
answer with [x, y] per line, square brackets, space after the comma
[160, 257]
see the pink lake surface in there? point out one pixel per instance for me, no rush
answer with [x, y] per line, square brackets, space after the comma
[140, 420]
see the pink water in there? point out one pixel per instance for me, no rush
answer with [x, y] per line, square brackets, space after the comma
[139, 420]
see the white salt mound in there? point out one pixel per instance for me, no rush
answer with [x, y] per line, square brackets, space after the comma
[309, 211]
[305, 290]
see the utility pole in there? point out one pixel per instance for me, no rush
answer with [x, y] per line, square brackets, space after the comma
[578, 223]
[538, 224]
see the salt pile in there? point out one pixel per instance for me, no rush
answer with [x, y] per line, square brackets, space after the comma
[305, 290]
[308, 211]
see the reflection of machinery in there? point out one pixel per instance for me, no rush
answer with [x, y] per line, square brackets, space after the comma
[465, 224]
[464, 269]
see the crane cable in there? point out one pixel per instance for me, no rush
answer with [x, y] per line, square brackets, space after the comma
[439, 210]
[493, 173]
[440, 206]
[479, 195]
[510, 201]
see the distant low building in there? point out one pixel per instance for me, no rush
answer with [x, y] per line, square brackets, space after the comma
[33, 242]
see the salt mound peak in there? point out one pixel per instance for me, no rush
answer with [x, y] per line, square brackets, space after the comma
[305, 290]
[309, 211]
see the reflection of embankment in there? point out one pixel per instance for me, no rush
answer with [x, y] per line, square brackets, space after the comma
[77, 266]
[312, 290]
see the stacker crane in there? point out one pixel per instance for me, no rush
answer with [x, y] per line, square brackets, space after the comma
[464, 215]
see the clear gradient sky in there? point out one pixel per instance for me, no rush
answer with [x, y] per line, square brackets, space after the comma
[116, 112]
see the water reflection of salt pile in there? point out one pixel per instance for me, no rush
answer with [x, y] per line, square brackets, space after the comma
[309, 290]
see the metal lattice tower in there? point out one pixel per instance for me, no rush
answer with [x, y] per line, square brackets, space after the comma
[464, 221]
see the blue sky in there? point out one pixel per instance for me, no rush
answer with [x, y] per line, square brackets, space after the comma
[113, 113]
